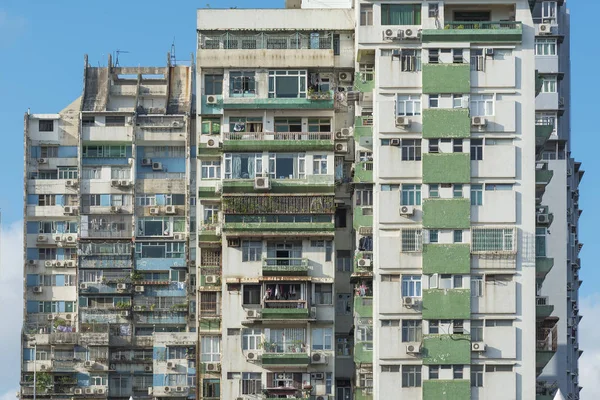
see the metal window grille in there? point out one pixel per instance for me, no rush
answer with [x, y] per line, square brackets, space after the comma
[493, 240]
[411, 240]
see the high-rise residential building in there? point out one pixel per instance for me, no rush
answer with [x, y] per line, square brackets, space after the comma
[365, 200]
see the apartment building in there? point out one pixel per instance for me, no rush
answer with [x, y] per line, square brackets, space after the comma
[364, 200]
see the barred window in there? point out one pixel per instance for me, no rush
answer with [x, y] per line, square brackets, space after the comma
[493, 240]
[411, 240]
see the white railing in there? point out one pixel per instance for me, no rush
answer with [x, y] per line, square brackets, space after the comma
[298, 136]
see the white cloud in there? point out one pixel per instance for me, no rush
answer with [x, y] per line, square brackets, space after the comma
[11, 27]
[589, 363]
[11, 307]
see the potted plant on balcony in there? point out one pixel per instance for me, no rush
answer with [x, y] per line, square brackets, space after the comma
[43, 382]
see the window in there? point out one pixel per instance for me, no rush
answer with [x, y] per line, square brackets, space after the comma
[434, 100]
[343, 304]
[407, 105]
[411, 195]
[343, 261]
[434, 145]
[323, 294]
[477, 331]
[287, 165]
[340, 217]
[549, 84]
[176, 353]
[343, 347]
[213, 84]
[545, 47]
[411, 376]
[322, 339]
[492, 239]
[251, 294]
[411, 330]
[67, 172]
[457, 191]
[457, 145]
[410, 60]
[476, 195]
[457, 371]
[364, 197]
[114, 120]
[211, 169]
[434, 56]
[120, 173]
[457, 56]
[251, 339]
[48, 151]
[482, 105]
[211, 126]
[390, 322]
[549, 11]
[251, 250]
[476, 149]
[210, 349]
[88, 120]
[365, 380]
[242, 83]
[445, 281]
[477, 60]
[434, 10]
[46, 200]
[320, 165]
[364, 333]
[411, 149]
[401, 14]
[411, 240]
[433, 235]
[287, 84]
[411, 285]
[540, 242]
[476, 375]
[104, 151]
[390, 368]
[251, 383]
[434, 191]
[366, 14]
[211, 388]
[434, 372]
[243, 165]
[46, 125]
[458, 236]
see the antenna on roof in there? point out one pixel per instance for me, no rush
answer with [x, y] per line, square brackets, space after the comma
[173, 57]
[116, 56]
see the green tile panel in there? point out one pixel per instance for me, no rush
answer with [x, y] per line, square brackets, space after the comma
[475, 32]
[543, 265]
[446, 349]
[285, 359]
[361, 354]
[363, 85]
[447, 213]
[207, 192]
[363, 393]
[542, 134]
[456, 389]
[543, 176]
[360, 219]
[363, 306]
[446, 78]
[284, 313]
[543, 311]
[446, 168]
[446, 123]
[446, 304]
[363, 171]
[446, 258]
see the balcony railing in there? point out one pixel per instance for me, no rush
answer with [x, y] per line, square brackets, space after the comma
[285, 266]
[279, 304]
[265, 40]
[292, 136]
[482, 25]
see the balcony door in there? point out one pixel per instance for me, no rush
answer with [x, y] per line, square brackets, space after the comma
[284, 253]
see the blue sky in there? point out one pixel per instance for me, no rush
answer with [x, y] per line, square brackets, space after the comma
[42, 44]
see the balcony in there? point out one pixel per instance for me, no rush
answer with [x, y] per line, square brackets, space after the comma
[318, 101]
[63, 366]
[363, 353]
[297, 358]
[446, 258]
[363, 306]
[543, 265]
[285, 228]
[446, 349]
[446, 123]
[474, 32]
[278, 141]
[363, 393]
[447, 213]
[278, 204]
[363, 216]
[364, 82]
[446, 389]
[107, 134]
[446, 168]
[446, 78]
[363, 264]
[363, 130]
[314, 184]
[446, 304]
[363, 172]
[543, 309]
[546, 346]
[285, 310]
[285, 267]
[542, 134]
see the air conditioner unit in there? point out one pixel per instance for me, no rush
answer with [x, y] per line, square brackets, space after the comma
[31, 262]
[48, 263]
[88, 390]
[545, 29]
[148, 368]
[72, 182]
[213, 144]
[341, 147]
[37, 289]
[408, 301]
[413, 348]
[176, 124]
[43, 367]
[71, 239]
[252, 314]
[318, 358]
[323, 397]
[69, 316]
[211, 99]
[42, 238]
[42, 160]
[154, 210]
[489, 52]
[70, 210]
[192, 263]
[83, 286]
[407, 210]
[388, 34]
[121, 286]
[114, 183]
[252, 356]
[317, 376]
[477, 346]
[411, 34]
[170, 210]
[70, 263]
[171, 365]
[100, 391]
[262, 183]
[124, 313]
[478, 121]
[88, 364]
[213, 367]
[180, 389]
[125, 182]
[211, 279]
[115, 209]
[58, 238]
[139, 289]
[178, 236]
[78, 391]
[157, 166]
[59, 264]
[339, 136]
[146, 162]
[395, 142]
[402, 121]
[364, 262]
[344, 77]
[543, 218]
[138, 308]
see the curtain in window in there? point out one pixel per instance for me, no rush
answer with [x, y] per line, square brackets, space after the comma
[237, 167]
[401, 14]
[251, 167]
